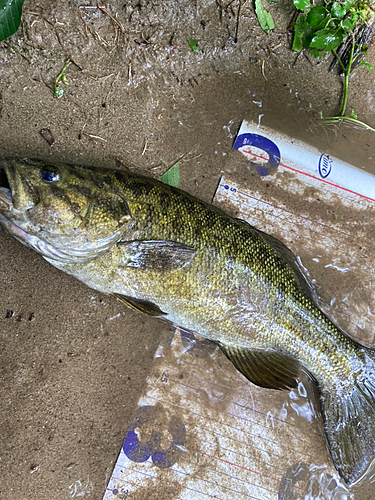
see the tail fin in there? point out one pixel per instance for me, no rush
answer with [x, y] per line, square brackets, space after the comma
[349, 420]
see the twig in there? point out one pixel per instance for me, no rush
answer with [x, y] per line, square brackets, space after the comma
[238, 21]
[94, 136]
[264, 76]
[90, 135]
[103, 9]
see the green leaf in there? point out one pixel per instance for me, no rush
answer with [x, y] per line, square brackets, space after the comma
[264, 17]
[302, 33]
[58, 92]
[327, 40]
[367, 64]
[301, 23]
[172, 176]
[301, 4]
[338, 10]
[364, 14]
[348, 24]
[347, 6]
[194, 45]
[302, 39]
[314, 52]
[307, 37]
[317, 16]
[10, 17]
[317, 53]
[297, 44]
[353, 115]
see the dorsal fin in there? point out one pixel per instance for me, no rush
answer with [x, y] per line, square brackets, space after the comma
[288, 256]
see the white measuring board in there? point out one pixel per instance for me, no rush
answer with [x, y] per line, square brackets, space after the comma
[267, 150]
[201, 430]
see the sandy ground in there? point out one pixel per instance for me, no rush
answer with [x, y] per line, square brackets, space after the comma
[73, 363]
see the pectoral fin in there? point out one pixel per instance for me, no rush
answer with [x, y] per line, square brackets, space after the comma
[156, 254]
[264, 367]
[143, 306]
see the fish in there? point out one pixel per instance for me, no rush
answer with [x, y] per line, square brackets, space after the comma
[171, 256]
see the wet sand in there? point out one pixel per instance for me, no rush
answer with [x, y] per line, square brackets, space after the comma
[73, 362]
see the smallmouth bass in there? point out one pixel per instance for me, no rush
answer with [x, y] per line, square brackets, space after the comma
[169, 255]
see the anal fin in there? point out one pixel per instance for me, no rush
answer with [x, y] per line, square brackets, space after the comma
[264, 367]
[143, 306]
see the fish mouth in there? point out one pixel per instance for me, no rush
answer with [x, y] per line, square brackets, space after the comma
[4, 183]
[6, 205]
[5, 188]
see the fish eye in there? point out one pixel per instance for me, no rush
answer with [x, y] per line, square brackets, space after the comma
[50, 175]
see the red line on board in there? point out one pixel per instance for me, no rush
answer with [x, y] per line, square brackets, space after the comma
[239, 466]
[245, 468]
[313, 177]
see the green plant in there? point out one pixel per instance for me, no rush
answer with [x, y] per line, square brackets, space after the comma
[10, 17]
[194, 45]
[57, 90]
[172, 176]
[342, 116]
[322, 28]
[265, 19]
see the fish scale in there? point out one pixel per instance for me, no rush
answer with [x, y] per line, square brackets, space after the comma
[167, 254]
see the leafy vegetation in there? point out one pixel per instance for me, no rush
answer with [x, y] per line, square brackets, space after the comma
[194, 45]
[321, 29]
[57, 90]
[264, 17]
[172, 176]
[10, 17]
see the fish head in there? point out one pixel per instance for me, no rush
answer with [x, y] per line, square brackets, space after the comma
[65, 212]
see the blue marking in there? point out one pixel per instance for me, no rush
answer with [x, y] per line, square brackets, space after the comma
[141, 452]
[260, 142]
[324, 166]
